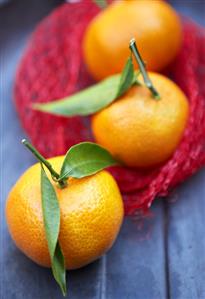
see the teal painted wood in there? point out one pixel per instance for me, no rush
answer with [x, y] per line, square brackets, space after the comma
[186, 240]
[163, 259]
[186, 217]
[136, 265]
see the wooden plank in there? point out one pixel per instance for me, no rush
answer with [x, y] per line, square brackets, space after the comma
[194, 9]
[186, 240]
[136, 265]
[186, 224]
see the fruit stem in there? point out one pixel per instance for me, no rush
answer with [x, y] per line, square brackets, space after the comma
[54, 174]
[142, 67]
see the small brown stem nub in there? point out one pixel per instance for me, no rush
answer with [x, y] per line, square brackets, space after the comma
[141, 64]
[41, 159]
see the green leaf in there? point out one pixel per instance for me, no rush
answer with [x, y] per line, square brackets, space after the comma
[101, 3]
[51, 218]
[94, 98]
[126, 79]
[85, 159]
[85, 102]
[51, 212]
[58, 268]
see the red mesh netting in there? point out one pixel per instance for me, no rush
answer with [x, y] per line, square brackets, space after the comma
[52, 68]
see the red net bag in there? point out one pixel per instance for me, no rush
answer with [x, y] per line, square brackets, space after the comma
[52, 67]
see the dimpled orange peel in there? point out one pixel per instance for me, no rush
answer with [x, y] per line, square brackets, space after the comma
[154, 24]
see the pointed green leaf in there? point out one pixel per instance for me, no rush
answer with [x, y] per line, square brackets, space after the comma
[51, 212]
[85, 102]
[94, 98]
[126, 79]
[58, 268]
[51, 218]
[85, 159]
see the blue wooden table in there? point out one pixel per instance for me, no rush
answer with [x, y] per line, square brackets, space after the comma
[158, 258]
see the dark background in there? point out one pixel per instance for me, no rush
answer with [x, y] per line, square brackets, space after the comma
[160, 257]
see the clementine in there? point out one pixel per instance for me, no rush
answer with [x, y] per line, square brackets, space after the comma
[142, 131]
[91, 216]
[154, 24]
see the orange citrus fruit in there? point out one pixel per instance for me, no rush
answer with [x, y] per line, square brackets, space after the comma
[140, 130]
[91, 216]
[154, 24]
